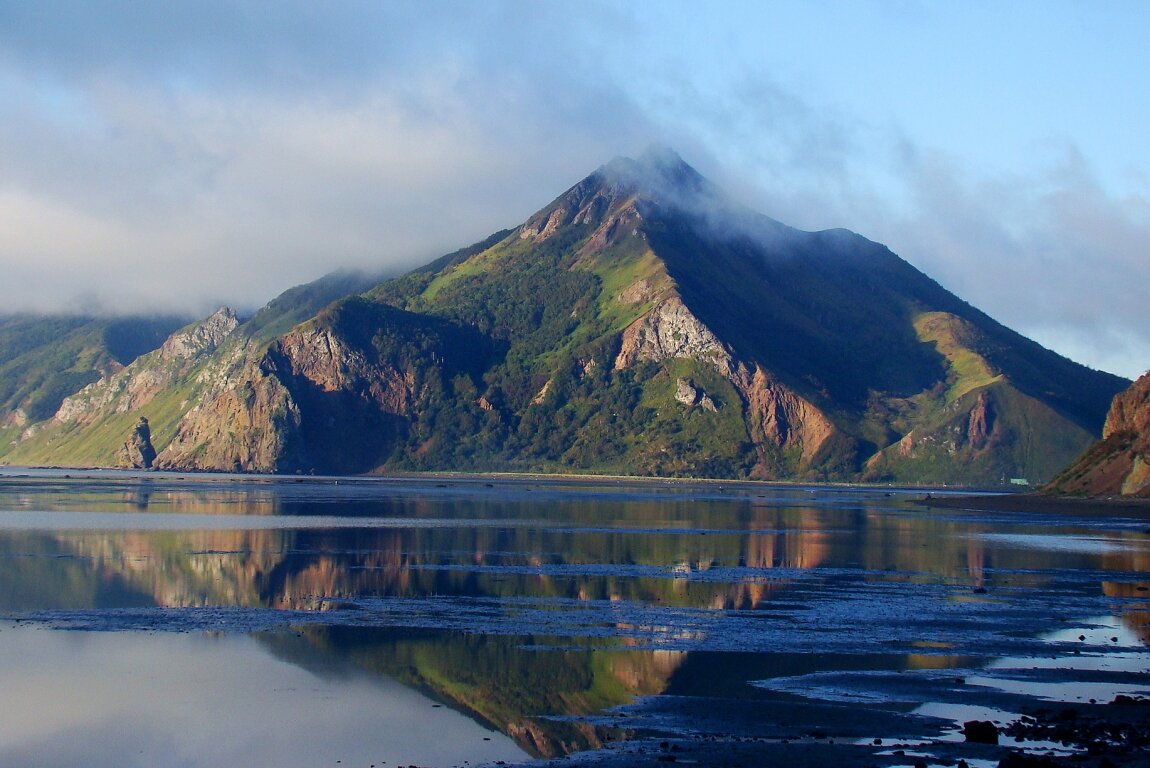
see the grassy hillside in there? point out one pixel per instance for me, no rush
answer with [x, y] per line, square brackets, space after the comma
[45, 359]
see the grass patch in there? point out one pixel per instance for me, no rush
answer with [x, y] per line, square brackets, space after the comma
[953, 338]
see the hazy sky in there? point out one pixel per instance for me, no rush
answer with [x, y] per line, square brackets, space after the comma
[181, 155]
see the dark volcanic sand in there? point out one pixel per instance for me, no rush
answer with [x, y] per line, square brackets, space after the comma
[1039, 503]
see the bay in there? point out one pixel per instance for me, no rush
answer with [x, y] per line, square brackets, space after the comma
[466, 620]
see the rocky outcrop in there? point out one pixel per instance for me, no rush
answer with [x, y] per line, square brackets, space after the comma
[251, 427]
[779, 420]
[671, 330]
[1119, 464]
[138, 452]
[981, 423]
[1130, 411]
[592, 201]
[15, 418]
[688, 395]
[138, 384]
[778, 417]
[310, 403]
[321, 360]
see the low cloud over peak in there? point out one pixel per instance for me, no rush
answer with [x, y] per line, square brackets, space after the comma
[183, 155]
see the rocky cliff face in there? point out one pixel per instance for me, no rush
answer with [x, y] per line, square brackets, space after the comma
[778, 420]
[310, 402]
[250, 427]
[1119, 464]
[132, 388]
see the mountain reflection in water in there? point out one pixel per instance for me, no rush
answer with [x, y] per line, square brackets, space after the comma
[536, 607]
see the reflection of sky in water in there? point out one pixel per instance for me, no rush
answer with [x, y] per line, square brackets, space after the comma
[1030, 676]
[143, 521]
[128, 699]
[1099, 634]
[1084, 545]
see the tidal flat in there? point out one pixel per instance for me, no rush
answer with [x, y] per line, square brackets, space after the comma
[168, 619]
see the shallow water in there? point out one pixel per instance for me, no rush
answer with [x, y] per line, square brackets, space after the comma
[444, 621]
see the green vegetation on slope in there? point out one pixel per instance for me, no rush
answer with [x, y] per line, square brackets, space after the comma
[45, 359]
[952, 337]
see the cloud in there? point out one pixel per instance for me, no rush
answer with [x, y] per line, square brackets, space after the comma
[1046, 249]
[289, 144]
[180, 155]
[1049, 253]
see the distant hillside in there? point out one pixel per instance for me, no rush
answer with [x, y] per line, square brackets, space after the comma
[1119, 464]
[641, 323]
[45, 359]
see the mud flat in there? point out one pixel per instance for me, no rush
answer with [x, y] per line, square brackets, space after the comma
[1040, 503]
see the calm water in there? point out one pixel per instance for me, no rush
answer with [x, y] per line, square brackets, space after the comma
[223, 621]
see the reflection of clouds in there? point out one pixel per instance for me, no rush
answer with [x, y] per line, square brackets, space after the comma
[171, 699]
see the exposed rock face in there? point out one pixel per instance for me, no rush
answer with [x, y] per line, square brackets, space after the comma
[138, 384]
[252, 427]
[328, 364]
[670, 330]
[138, 452]
[981, 423]
[779, 417]
[16, 418]
[637, 292]
[1130, 411]
[312, 400]
[1118, 465]
[201, 338]
[588, 202]
[686, 394]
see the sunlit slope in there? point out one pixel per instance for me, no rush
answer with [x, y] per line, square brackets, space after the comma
[45, 359]
[84, 401]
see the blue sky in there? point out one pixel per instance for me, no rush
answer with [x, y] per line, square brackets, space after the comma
[187, 154]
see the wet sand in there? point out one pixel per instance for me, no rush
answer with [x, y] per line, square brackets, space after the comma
[1039, 503]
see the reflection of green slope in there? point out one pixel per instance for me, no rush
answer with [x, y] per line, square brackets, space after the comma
[502, 682]
[48, 575]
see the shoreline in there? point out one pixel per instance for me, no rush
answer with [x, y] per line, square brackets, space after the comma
[1036, 502]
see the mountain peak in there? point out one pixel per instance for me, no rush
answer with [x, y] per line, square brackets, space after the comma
[658, 172]
[659, 177]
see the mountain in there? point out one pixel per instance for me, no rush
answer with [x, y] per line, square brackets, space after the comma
[45, 359]
[97, 421]
[1119, 464]
[642, 323]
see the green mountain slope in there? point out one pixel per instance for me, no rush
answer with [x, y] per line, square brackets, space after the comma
[641, 324]
[45, 359]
